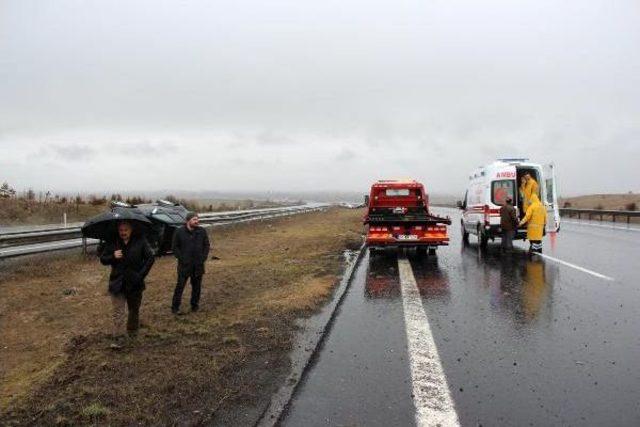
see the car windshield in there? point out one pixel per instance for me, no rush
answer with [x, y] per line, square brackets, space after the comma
[397, 192]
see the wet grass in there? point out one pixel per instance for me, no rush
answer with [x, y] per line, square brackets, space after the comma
[218, 365]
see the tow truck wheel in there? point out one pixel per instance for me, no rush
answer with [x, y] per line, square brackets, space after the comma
[465, 234]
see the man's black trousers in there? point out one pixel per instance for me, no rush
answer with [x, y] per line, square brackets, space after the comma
[196, 284]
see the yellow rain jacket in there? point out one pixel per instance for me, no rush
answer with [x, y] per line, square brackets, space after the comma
[528, 191]
[535, 218]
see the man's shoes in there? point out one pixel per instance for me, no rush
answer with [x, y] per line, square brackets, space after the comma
[194, 308]
[176, 312]
[118, 342]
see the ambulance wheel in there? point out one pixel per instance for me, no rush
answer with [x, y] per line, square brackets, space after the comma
[465, 235]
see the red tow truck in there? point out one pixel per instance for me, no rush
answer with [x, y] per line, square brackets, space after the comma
[398, 216]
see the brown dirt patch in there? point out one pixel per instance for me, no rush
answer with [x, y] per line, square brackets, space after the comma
[602, 201]
[218, 366]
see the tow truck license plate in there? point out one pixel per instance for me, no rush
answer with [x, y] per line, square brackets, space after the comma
[407, 237]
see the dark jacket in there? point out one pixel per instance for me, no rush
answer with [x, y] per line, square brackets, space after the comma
[128, 273]
[508, 218]
[191, 248]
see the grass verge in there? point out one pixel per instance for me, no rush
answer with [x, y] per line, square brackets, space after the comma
[216, 366]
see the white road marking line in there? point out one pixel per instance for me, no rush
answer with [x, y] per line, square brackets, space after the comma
[614, 227]
[434, 405]
[577, 267]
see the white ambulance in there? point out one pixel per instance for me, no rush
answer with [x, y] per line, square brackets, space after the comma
[490, 185]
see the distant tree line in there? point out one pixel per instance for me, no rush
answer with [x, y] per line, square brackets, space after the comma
[29, 195]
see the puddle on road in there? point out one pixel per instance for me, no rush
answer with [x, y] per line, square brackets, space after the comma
[382, 280]
[517, 286]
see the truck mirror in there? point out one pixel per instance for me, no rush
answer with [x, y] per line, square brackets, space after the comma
[459, 204]
[366, 200]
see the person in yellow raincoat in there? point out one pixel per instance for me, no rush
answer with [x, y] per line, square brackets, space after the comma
[536, 219]
[529, 188]
[521, 197]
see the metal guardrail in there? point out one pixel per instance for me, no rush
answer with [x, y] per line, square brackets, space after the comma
[64, 233]
[600, 213]
[74, 231]
[38, 228]
[56, 238]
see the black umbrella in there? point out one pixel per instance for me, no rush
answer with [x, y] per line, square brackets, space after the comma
[105, 225]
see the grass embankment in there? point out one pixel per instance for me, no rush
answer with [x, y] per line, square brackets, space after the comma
[624, 202]
[215, 366]
[603, 201]
[29, 212]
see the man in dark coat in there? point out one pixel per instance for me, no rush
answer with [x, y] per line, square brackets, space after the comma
[508, 224]
[191, 248]
[130, 258]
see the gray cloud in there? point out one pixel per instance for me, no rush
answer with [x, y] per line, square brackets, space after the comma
[143, 148]
[269, 137]
[73, 152]
[346, 155]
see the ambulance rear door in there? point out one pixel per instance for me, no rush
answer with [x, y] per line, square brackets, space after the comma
[551, 198]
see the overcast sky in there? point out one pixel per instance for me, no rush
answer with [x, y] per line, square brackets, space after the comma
[323, 95]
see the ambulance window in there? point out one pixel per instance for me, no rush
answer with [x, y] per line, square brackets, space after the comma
[396, 192]
[502, 189]
[549, 185]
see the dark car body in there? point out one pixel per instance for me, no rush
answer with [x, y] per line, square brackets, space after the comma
[166, 217]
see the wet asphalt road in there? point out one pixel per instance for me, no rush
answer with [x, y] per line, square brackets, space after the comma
[521, 341]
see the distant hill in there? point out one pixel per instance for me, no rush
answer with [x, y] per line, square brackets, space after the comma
[602, 201]
[290, 196]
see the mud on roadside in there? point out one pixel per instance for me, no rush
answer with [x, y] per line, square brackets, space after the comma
[217, 366]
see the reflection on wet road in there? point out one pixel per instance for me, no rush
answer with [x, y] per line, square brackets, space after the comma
[522, 341]
[519, 288]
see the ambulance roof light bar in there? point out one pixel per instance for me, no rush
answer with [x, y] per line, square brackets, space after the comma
[514, 160]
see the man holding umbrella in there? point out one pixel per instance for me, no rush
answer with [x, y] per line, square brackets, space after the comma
[128, 253]
[191, 248]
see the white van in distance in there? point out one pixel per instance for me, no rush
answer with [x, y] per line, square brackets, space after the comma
[488, 188]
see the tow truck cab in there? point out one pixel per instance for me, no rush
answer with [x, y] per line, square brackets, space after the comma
[398, 216]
